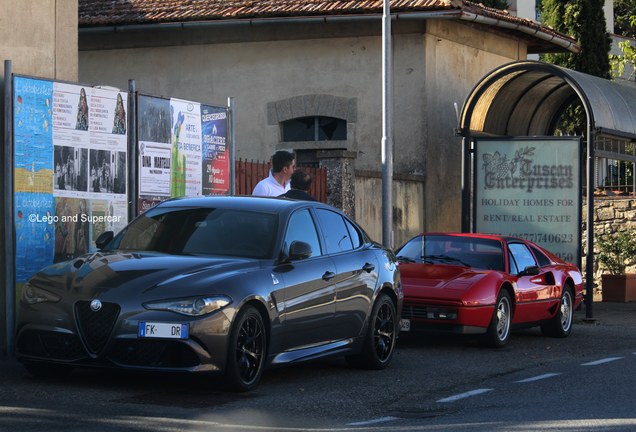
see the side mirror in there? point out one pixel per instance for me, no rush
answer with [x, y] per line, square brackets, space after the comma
[530, 271]
[299, 250]
[103, 239]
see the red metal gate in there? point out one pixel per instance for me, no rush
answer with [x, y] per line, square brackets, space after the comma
[248, 173]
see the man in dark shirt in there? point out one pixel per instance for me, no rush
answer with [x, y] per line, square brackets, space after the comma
[300, 184]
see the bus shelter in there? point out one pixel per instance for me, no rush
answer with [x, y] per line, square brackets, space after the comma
[519, 106]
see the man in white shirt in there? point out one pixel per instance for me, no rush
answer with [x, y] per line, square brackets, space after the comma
[277, 183]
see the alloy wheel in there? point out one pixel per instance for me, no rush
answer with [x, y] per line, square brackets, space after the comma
[566, 311]
[384, 332]
[503, 318]
[250, 348]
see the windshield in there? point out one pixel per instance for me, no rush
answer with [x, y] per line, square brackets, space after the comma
[200, 231]
[473, 252]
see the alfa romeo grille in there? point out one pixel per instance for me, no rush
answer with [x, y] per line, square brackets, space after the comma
[95, 327]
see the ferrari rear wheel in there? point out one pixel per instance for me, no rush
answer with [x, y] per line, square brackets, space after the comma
[381, 337]
[246, 354]
[498, 331]
[561, 324]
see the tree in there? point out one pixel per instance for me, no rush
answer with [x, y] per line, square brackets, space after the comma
[584, 20]
[562, 17]
[624, 24]
[620, 62]
[628, 56]
[594, 39]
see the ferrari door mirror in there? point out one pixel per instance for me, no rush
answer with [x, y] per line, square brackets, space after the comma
[530, 271]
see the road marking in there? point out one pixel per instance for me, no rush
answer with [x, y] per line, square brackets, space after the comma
[601, 361]
[464, 395]
[537, 378]
[374, 421]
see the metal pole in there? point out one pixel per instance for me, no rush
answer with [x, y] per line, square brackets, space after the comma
[6, 210]
[387, 140]
[133, 151]
[230, 109]
[589, 256]
[466, 185]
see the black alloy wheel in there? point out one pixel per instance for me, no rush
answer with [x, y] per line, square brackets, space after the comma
[379, 343]
[246, 357]
[384, 333]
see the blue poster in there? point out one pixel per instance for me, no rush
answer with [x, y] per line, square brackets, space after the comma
[33, 134]
[216, 166]
[33, 138]
[34, 232]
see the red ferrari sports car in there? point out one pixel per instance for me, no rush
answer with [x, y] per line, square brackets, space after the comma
[486, 284]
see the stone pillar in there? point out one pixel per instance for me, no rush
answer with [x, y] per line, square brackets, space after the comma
[340, 179]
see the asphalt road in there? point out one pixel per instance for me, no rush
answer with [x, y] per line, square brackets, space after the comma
[582, 383]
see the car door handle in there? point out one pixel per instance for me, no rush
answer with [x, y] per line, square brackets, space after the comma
[328, 276]
[368, 267]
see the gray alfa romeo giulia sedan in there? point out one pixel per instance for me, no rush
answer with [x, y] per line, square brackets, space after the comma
[221, 285]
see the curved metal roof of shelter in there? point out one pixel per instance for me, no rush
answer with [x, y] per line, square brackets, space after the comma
[526, 98]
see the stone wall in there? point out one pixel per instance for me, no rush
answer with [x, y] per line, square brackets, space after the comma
[610, 215]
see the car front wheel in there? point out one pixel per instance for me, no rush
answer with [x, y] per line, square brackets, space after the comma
[247, 349]
[381, 337]
[498, 331]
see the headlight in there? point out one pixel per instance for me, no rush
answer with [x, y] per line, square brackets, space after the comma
[194, 306]
[33, 295]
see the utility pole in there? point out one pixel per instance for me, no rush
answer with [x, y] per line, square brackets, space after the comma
[387, 139]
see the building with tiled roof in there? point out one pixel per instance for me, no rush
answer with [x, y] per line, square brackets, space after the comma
[306, 75]
[100, 13]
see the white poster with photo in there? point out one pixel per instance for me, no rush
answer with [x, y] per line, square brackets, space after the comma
[108, 119]
[90, 165]
[70, 115]
[154, 169]
[531, 188]
[108, 163]
[186, 148]
[90, 142]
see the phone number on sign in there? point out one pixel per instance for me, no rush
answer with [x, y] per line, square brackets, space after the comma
[545, 238]
[52, 219]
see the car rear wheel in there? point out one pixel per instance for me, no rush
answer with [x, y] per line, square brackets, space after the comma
[381, 337]
[561, 324]
[246, 354]
[498, 331]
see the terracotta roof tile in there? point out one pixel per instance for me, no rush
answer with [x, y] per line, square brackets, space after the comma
[96, 13]
[121, 12]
